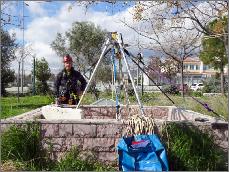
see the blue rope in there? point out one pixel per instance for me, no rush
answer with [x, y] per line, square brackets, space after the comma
[116, 95]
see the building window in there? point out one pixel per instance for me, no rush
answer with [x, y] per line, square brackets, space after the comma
[186, 66]
[191, 67]
[197, 67]
[205, 67]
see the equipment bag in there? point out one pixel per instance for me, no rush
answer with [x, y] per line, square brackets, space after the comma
[142, 153]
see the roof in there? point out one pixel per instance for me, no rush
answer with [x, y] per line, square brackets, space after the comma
[192, 59]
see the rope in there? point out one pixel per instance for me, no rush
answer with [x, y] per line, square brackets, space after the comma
[205, 105]
[125, 88]
[138, 124]
[148, 75]
[115, 78]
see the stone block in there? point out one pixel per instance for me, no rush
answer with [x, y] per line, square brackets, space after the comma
[109, 130]
[99, 144]
[82, 130]
[88, 156]
[77, 142]
[50, 130]
[54, 144]
[108, 157]
[108, 112]
[4, 127]
[159, 112]
[65, 130]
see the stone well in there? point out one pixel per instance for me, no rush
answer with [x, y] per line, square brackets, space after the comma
[99, 131]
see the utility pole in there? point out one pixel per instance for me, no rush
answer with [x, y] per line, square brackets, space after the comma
[18, 81]
[23, 47]
[142, 79]
[140, 59]
[34, 70]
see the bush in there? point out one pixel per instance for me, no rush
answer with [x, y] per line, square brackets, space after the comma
[212, 85]
[22, 146]
[171, 89]
[196, 93]
[42, 88]
[190, 149]
[20, 150]
[72, 161]
[20, 143]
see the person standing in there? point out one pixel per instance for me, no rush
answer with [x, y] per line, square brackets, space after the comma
[69, 84]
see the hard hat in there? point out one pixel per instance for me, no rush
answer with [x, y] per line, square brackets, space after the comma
[67, 58]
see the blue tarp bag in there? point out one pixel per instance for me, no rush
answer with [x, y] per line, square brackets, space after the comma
[142, 153]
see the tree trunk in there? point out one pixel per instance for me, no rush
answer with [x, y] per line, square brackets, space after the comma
[182, 79]
[222, 80]
[18, 81]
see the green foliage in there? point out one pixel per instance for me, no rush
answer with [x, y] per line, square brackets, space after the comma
[8, 46]
[43, 73]
[20, 150]
[42, 88]
[171, 89]
[72, 161]
[59, 45]
[190, 149]
[10, 106]
[86, 39]
[196, 93]
[212, 85]
[214, 51]
[20, 143]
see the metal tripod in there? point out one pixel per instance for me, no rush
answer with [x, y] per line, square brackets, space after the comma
[114, 39]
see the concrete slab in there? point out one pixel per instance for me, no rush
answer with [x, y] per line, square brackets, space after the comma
[55, 113]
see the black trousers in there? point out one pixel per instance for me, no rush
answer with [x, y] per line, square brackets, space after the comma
[69, 101]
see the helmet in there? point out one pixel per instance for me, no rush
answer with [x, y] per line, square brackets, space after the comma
[67, 58]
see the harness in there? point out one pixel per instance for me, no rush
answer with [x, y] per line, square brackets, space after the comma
[68, 91]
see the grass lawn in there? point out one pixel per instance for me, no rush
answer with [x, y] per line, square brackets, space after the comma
[10, 106]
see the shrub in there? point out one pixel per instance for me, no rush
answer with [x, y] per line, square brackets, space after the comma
[22, 145]
[190, 149]
[72, 161]
[197, 93]
[212, 85]
[171, 89]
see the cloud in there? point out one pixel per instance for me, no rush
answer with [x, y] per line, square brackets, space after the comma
[36, 8]
[42, 30]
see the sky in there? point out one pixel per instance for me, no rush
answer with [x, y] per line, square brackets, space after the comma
[44, 19]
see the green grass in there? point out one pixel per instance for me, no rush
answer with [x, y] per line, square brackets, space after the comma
[10, 106]
[189, 149]
[216, 103]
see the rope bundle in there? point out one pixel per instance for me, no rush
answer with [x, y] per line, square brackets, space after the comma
[138, 124]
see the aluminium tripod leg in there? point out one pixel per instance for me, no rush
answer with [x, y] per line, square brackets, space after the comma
[93, 73]
[132, 81]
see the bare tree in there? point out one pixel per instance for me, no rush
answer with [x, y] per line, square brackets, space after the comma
[174, 43]
[21, 54]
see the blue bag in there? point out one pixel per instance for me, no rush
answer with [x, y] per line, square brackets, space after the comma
[142, 153]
